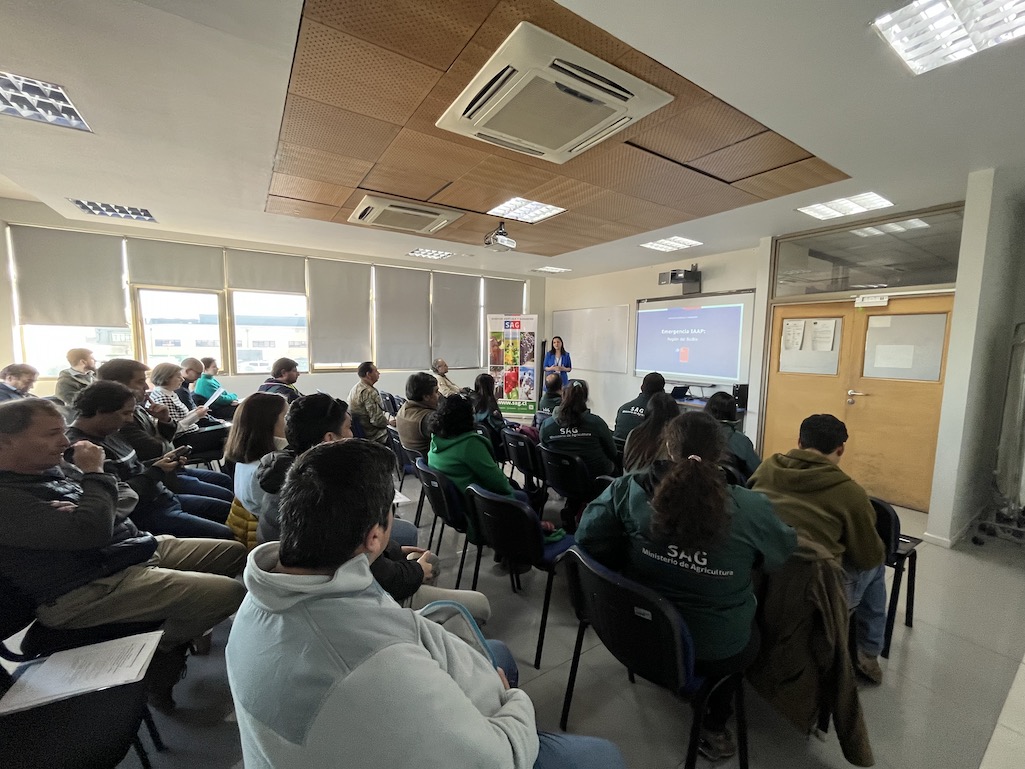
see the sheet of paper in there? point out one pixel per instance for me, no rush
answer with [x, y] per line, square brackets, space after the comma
[895, 356]
[215, 395]
[793, 334]
[822, 332]
[400, 498]
[879, 321]
[77, 671]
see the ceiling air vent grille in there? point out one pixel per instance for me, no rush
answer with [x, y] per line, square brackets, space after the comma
[376, 211]
[543, 96]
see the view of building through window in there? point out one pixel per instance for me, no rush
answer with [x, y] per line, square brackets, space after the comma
[179, 324]
[47, 346]
[268, 327]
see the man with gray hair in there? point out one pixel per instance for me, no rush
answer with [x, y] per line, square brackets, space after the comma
[445, 385]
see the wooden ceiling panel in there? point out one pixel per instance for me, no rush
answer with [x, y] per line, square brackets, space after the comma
[508, 175]
[752, 156]
[308, 163]
[706, 127]
[323, 127]
[663, 181]
[611, 166]
[339, 69]
[473, 197]
[300, 208]
[803, 175]
[432, 33]
[726, 198]
[564, 192]
[613, 206]
[285, 186]
[655, 217]
[422, 154]
[397, 181]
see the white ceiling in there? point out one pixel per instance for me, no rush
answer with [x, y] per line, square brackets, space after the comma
[185, 100]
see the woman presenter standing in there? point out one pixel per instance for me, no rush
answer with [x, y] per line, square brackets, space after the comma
[557, 361]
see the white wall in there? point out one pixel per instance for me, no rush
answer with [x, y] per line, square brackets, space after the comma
[733, 271]
[987, 305]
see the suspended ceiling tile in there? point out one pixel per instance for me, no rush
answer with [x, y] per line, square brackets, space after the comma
[665, 182]
[324, 127]
[473, 197]
[726, 198]
[706, 127]
[422, 154]
[564, 192]
[432, 33]
[397, 181]
[301, 208]
[803, 175]
[612, 166]
[338, 69]
[614, 206]
[507, 175]
[285, 186]
[752, 156]
[685, 93]
[655, 217]
[308, 163]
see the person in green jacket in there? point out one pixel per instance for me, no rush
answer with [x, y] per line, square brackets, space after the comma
[678, 528]
[740, 452]
[207, 385]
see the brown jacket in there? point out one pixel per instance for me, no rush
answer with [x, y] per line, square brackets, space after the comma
[804, 668]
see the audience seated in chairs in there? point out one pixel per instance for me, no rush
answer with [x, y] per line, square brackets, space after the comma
[16, 380]
[206, 385]
[740, 452]
[284, 373]
[445, 385]
[678, 528]
[166, 379]
[415, 420]
[487, 413]
[80, 374]
[645, 444]
[553, 394]
[314, 613]
[66, 544]
[365, 402]
[631, 413]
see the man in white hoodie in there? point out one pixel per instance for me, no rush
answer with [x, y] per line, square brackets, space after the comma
[327, 670]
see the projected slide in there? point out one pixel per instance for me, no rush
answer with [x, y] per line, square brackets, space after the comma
[691, 343]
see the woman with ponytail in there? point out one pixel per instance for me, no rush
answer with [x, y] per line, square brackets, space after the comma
[678, 528]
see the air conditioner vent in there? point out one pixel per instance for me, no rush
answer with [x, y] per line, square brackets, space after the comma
[376, 211]
[542, 96]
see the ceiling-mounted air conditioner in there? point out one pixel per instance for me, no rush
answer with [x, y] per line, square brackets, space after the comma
[405, 215]
[542, 96]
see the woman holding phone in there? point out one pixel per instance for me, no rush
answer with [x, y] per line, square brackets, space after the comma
[557, 361]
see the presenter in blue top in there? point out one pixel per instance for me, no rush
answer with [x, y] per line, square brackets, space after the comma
[557, 361]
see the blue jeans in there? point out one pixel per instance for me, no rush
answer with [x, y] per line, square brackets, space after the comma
[206, 483]
[866, 597]
[215, 510]
[404, 533]
[164, 515]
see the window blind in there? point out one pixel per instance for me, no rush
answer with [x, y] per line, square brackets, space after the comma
[260, 271]
[403, 316]
[339, 313]
[455, 319]
[182, 265]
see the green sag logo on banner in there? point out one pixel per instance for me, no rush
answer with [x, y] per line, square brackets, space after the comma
[512, 361]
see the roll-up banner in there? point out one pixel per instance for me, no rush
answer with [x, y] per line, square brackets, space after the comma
[512, 361]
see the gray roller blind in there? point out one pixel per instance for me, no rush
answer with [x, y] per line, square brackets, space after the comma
[339, 313]
[503, 297]
[182, 265]
[403, 315]
[69, 278]
[259, 271]
[455, 320]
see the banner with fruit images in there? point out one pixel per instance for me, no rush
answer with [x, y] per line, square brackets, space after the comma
[512, 361]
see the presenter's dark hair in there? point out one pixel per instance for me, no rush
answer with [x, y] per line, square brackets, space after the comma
[333, 496]
[822, 432]
[574, 404]
[419, 386]
[16, 415]
[310, 417]
[646, 440]
[453, 417]
[722, 406]
[103, 397]
[365, 368]
[691, 502]
[653, 383]
[121, 370]
[281, 365]
[252, 427]
[552, 348]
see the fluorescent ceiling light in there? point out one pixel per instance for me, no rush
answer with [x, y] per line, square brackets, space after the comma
[430, 253]
[930, 33]
[523, 210]
[671, 244]
[35, 100]
[856, 204]
[112, 210]
[552, 269]
[882, 229]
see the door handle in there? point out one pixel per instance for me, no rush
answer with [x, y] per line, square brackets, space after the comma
[852, 393]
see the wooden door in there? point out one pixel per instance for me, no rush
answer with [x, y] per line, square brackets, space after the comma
[887, 387]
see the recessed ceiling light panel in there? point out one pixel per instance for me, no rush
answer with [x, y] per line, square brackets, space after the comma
[523, 210]
[552, 270]
[430, 253]
[882, 229]
[35, 100]
[671, 244]
[856, 204]
[113, 210]
[927, 34]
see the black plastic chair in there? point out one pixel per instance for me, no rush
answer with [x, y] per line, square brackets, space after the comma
[539, 418]
[388, 403]
[514, 530]
[900, 549]
[646, 633]
[522, 453]
[733, 475]
[568, 475]
[450, 506]
[357, 428]
[403, 464]
[413, 455]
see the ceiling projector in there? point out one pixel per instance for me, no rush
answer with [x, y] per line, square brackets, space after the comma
[499, 240]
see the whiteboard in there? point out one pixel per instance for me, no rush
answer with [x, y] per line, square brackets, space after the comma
[596, 338]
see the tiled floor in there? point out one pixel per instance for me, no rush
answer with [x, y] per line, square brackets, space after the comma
[945, 689]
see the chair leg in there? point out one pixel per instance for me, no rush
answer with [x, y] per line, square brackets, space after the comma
[909, 608]
[402, 478]
[420, 507]
[698, 705]
[430, 540]
[512, 580]
[519, 585]
[544, 618]
[462, 560]
[141, 751]
[441, 534]
[151, 727]
[891, 612]
[476, 567]
[738, 699]
[568, 698]
[630, 676]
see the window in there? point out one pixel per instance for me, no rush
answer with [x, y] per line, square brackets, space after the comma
[265, 326]
[46, 346]
[176, 323]
[297, 344]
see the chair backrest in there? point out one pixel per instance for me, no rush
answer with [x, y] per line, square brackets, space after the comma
[17, 612]
[540, 416]
[447, 502]
[413, 455]
[510, 526]
[733, 475]
[482, 430]
[887, 525]
[641, 629]
[388, 403]
[357, 426]
[567, 473]
[401, 456]
[199, 400]
[521, 450]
